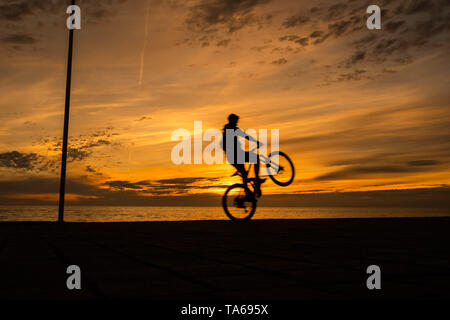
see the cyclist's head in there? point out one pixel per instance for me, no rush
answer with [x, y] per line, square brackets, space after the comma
[233, 119]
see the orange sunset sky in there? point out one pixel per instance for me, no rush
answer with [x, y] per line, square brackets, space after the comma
[357, 109]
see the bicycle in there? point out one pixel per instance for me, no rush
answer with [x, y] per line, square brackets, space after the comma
[237, 205]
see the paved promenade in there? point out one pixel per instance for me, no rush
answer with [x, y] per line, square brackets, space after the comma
[265, 259]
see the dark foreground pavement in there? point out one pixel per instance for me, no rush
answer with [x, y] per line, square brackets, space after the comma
[266, 259]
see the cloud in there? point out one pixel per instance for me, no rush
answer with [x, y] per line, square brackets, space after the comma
[231, 15]
[316, 34]
[289, 38]
[90, 169]
[355, 58]
[303, 41]
[82, 146]
[77, 154]
[387, 47]
[188, 180]
[356, 75]
[33, 185]
[223, 43]
[401, 32]
[165, 186]
[338, 28]
[280, 61]
[421, 163]
[371, 37]
[12, 190]
[336, 11]
[417, 6]
[143, 118]
[15, 11]
[296, 20]
[392, 26]
[121, 184]
[18, 160]
[81, 151]
[361, 172]
[18, 39]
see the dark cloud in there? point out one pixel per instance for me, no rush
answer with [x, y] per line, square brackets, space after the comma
[368, 39]
[82, 146]
[260, 48]
[143, 118]
[121, 184]
[17, 10]
[279, 61]
[98, 143]
[289, 38]
[188, 180]
[32, 185]
[28, 161]
[390, 46]
[296, 20]
[232, 15]
[77, 154]
[356, 75]
[396, 44]
[165, 186]
[420, 163]
[303, 41]
[90, 169]
[355, 58]
[319, 40]
[223, 43]
[424, 197]
[392, 26]
[361, 172]
[336, 11]
[18, 39]
[417, 6]
[316, 34]
[14, 12]
[433, 27]
[18, 160]
[339, 28]
[81, 151]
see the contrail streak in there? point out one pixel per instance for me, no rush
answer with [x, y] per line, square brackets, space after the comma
[141, 70]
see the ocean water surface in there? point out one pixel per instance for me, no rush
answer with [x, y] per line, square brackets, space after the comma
[123, 214]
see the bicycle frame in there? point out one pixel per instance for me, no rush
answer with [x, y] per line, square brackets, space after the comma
[262, 159]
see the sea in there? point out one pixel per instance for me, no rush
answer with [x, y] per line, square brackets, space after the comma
[134, 214]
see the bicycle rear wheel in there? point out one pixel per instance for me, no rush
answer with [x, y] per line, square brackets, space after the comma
[235, 205]
[280, 168]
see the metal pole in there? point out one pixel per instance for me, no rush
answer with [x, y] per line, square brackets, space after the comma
[62, 184]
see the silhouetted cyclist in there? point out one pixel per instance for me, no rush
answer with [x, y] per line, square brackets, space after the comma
[232, 155]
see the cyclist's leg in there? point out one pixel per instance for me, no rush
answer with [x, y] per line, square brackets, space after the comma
[254, 158]
[256, 167]
[241, 169]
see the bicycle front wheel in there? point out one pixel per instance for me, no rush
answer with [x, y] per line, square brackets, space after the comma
[236, 206]
[280, 168]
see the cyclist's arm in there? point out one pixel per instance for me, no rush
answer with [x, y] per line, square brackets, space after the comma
[241, 133]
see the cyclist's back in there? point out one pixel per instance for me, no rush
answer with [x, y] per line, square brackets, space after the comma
[231, 155]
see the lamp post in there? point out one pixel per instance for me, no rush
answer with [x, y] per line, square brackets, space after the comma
[62, 184]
